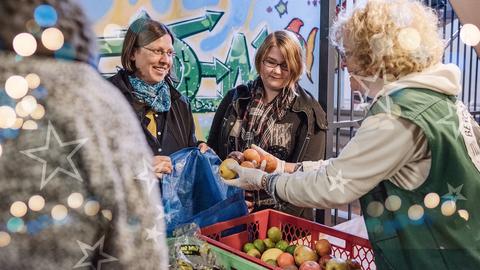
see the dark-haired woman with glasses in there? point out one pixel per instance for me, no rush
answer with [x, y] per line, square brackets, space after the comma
[273, 112]
[146, 82]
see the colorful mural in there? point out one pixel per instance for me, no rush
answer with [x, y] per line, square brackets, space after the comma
[215, 41]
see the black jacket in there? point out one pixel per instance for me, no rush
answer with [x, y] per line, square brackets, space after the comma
[309, 136]
[176, 128]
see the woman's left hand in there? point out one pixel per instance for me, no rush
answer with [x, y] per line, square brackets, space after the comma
[203, 147]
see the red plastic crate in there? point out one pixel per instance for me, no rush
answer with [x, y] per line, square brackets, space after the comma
[233, 234]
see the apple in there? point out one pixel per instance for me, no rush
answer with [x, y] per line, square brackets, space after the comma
[271, 163]
[336, 264]
[285, 259]
[310, 265]
[323, 261]
[252, 155]
[303, 254]
[237, 155]
[247, 164]
[323, 247]
[224, 170]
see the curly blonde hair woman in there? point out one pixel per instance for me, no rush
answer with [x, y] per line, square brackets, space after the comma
[414, 161]
[389, 38]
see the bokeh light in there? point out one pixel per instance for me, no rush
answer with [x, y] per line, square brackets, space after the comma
[464, 214]
[75, 200]
[15, 224]
[18, 123]
[431, 200]
[409, 39]
[18, 209]
[113, 31]
[36, 203]
[415, 212]
[59, 212]
[393, 203]
[91, 208]
[52, 39]
[16, 86]
[107, 214]
[45, 15]
[448, 208]
[33, 80]
[4, 239]
[39, 112]
[375, 209]
[470, 34]
[20, 111]
[30, 125]
[24, 44]
[7, 117]
[29, 104]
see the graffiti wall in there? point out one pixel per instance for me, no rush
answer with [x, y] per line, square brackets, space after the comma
[215, 41]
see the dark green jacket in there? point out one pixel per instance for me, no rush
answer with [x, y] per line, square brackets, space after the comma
[424, 234]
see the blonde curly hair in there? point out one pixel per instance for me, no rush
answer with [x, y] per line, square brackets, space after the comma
[389, 37]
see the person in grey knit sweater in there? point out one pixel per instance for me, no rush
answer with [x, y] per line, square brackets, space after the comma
[76, 188]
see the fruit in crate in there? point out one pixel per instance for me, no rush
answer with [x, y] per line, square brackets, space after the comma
[247, 164]
[303, 254]
[290, 267]
[324, 260]
[291, 249]
[323, 247]
[268, 243]
[259, 245]
[310, 265]
[224, 171]
[252, 155]
[254, 253]
[353, 264]
[336, 264]
[275, 234]
[285, 259]
[237, 155]
[282, 245]
[271, 163]
[248, 246]
[271, 262]
[271, 254]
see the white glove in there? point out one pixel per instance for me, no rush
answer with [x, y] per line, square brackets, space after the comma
[280, 163]
[248, 178]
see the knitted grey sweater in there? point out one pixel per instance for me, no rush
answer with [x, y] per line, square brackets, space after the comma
[88, 144]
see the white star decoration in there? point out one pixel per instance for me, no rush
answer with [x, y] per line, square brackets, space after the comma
[84, 247]
[454, 193]
[56, 146]
[147, 176]
[153, 233]
[338, 182]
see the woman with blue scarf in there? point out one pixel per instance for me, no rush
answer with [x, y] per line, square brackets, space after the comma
[165, 115]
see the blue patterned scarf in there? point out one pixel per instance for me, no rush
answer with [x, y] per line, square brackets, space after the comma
[157, 96]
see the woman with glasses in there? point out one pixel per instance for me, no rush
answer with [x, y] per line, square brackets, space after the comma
[414, 162]
[146, 82]
[273, 112]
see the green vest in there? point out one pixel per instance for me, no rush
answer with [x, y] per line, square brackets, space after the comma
[437, 225]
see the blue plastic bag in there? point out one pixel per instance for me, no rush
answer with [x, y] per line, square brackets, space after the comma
[193, 191]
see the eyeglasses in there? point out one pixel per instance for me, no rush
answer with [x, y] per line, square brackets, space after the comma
[272, 64]
[161, 52]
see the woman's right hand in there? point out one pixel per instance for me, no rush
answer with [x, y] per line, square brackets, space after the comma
[162, 165]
